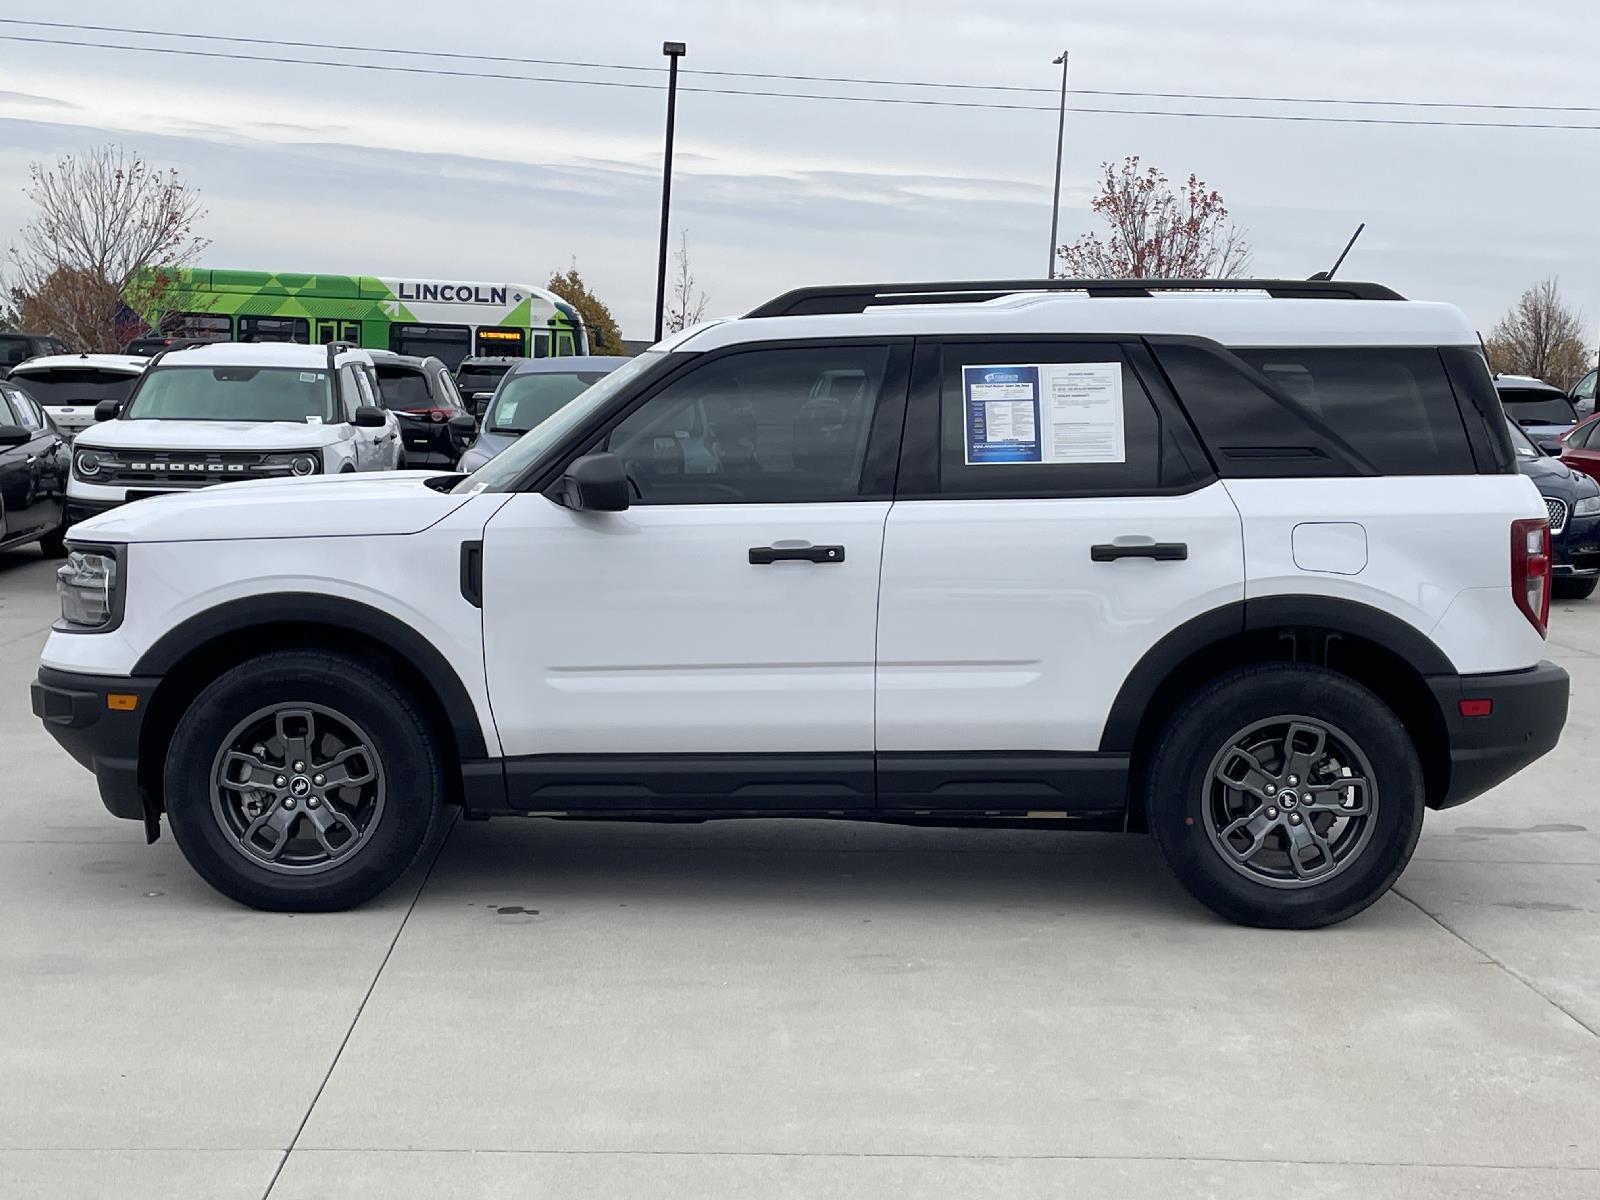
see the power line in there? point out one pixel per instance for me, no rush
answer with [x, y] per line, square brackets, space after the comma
[904, 83]
[903, 100]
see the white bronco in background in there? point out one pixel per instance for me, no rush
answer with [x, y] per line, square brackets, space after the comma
[231, 411]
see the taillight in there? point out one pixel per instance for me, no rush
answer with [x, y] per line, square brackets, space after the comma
[1530, 569]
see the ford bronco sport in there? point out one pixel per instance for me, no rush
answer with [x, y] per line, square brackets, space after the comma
[1245, 565]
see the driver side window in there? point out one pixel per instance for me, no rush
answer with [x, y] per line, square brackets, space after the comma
[757, 427]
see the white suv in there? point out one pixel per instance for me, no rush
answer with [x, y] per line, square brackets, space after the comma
[70, 386]
[1252, 571]
[229, 411]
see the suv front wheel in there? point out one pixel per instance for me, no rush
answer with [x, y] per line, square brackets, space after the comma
[1286, 796]
[302, 781]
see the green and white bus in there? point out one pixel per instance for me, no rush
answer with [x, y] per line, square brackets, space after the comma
[448, 319]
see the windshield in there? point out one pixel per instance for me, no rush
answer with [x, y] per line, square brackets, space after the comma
[74, 385]
[1521, 442]
[232, 394]
[480, 378]
[504, 469]
[526, 400]
[1538, 407]
[403, 388]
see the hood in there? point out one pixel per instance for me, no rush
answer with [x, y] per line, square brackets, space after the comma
[208, 435]
[484, 447]
[1554, 478]
[374, 504]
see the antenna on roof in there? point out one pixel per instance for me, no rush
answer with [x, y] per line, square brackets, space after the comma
[1333, 270]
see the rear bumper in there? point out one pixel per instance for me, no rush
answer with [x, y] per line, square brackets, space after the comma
[76, 713]
[1527, 711]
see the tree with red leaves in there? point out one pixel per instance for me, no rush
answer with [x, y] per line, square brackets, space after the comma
[1157, 232]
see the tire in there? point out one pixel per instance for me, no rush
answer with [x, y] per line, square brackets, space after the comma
[54, 543]
[1191, 805]
[244, 841]
[1575, 589]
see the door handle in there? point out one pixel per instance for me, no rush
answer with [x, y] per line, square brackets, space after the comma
[1160, 551]
[760, 556]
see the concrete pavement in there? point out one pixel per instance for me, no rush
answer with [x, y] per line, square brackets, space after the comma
[803, 1009]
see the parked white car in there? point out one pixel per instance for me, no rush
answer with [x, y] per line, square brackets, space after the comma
[69, 386]
[1256, 573]
[227, 412]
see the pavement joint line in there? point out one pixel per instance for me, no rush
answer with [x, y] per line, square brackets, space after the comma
[1514, 974]
[1428, 1165]
[1509, 862]
[1431, 1165]
[360, 1008]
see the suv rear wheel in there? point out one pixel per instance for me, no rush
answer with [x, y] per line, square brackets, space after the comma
[1286, 796]
[302, 781]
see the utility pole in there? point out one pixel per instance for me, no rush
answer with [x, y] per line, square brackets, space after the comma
[674, 51]
[1061, 129]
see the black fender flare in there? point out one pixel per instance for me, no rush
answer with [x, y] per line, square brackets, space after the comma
[1331, 613]
[278, 608]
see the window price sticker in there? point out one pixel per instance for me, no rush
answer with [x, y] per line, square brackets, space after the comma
[1044, 413]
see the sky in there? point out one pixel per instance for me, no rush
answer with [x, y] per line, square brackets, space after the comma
[307, 168]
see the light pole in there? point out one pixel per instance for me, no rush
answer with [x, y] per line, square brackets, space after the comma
[674, 51]
[1061, 129]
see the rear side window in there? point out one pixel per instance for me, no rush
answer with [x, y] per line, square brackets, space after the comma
[1021, 419]
[1322, 411]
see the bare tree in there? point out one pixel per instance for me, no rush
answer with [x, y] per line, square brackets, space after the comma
[108, 226]
[1541, 336]
[1156, 232]
[688, 304]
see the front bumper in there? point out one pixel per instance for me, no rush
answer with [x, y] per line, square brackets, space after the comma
[100, 733]
[1527, 711]
[81, 510]
[1576, 549]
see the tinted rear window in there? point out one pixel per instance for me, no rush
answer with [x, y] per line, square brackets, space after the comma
[403, 388]
[1322, 411]
[1537, 407]
[13, 349]
[1394, 406]
[75, 385]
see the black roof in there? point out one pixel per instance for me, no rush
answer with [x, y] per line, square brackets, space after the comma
[857, 297]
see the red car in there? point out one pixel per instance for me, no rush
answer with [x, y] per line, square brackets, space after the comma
[1580, 446]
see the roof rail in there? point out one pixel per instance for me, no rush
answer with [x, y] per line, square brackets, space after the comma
[853, 298]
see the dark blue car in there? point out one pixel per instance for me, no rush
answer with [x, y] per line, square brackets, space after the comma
[529, 392]
[1573, 499]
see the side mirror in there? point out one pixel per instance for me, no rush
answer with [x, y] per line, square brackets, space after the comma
[16, 435]
[595, 483]
[370, 416]
[463, 425]
[480, 402]
[107, 409]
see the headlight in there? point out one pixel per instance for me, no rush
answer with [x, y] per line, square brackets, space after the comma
[1587, 507]
[87, 583]
[292, 462]
[87, 463]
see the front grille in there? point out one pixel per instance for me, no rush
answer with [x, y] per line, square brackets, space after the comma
[192, 468]
[1558, 514]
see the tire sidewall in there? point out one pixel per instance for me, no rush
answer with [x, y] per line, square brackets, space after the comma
[399, 738]
[1179, 785]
